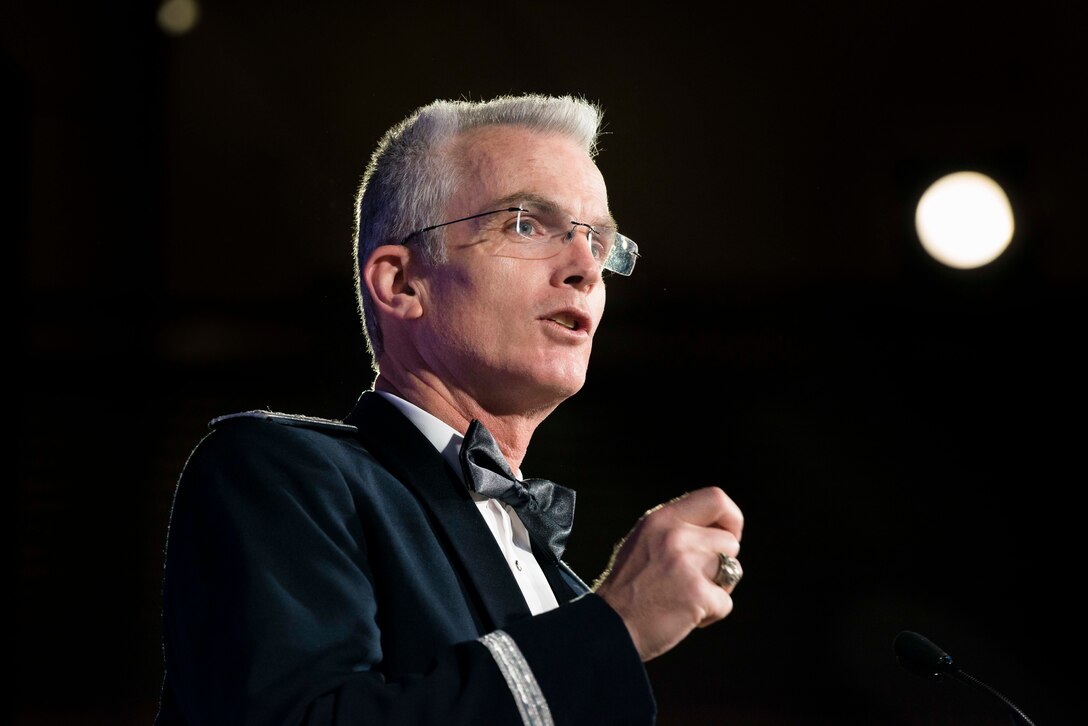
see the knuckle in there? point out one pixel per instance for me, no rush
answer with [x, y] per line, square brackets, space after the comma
[719, 498]
[673, 541]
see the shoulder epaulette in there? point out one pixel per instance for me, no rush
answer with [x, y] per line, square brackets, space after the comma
[287, 419]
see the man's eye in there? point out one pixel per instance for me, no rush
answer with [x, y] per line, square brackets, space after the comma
[530, 226]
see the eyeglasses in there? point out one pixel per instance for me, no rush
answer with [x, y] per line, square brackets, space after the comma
[537, 231]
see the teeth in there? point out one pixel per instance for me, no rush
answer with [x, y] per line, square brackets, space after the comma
[566, 321]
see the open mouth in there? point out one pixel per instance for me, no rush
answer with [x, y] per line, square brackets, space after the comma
[567, 321]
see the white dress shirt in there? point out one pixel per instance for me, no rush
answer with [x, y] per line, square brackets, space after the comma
[501, 519]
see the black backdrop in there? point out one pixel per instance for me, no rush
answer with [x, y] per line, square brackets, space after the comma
[905, 439]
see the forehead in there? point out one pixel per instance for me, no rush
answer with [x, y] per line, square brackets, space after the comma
[498, 162]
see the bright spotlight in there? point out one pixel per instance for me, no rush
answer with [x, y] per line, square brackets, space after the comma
[964, 220]
[178, 17]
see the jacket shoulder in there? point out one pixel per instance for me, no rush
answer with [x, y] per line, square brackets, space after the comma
[317, 423]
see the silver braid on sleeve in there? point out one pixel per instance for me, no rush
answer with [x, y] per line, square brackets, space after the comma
[519, 679]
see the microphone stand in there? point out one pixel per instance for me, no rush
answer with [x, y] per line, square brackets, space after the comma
[964, 677]
[921, 657]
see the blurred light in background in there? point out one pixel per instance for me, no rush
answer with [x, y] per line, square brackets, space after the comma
[178, 17]
[964, 220]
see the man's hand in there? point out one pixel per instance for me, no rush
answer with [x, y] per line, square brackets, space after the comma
[661, 577]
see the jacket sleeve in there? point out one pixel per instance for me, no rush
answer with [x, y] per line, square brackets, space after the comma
[270, 613]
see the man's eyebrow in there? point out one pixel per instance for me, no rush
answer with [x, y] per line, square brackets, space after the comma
[512, 200]
[548, 205]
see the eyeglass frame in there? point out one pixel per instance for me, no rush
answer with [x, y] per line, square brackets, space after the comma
[573, 223]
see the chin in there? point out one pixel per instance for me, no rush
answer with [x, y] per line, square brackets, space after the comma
[549, 389]
[565, 385]
[541, 384]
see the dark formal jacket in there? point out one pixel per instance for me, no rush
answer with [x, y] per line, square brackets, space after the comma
[338, 572]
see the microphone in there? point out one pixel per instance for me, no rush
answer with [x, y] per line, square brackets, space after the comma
[921, 657]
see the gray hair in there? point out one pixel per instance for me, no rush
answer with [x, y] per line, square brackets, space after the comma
[412, 173]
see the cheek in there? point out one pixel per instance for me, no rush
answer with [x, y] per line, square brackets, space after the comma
[486, 314]
[596, 302]
[502, 297]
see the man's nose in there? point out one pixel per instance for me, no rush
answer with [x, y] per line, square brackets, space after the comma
[587, 232]
[579, 241]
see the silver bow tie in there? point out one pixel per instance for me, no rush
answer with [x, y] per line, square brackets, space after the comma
[544, 507]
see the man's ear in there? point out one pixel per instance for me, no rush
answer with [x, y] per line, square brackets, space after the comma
[386, 276]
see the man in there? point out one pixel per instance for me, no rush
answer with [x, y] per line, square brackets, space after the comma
[382, 569]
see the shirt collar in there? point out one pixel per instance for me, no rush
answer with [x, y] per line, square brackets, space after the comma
[442, 436]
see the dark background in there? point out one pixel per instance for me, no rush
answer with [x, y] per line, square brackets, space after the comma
[905, 439]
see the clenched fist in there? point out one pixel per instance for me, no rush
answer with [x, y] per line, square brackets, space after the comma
[661, 579]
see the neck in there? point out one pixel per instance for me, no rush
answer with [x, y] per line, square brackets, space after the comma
[511, 430]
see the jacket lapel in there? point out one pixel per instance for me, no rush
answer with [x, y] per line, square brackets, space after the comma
[400, 447]
[565, 584]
